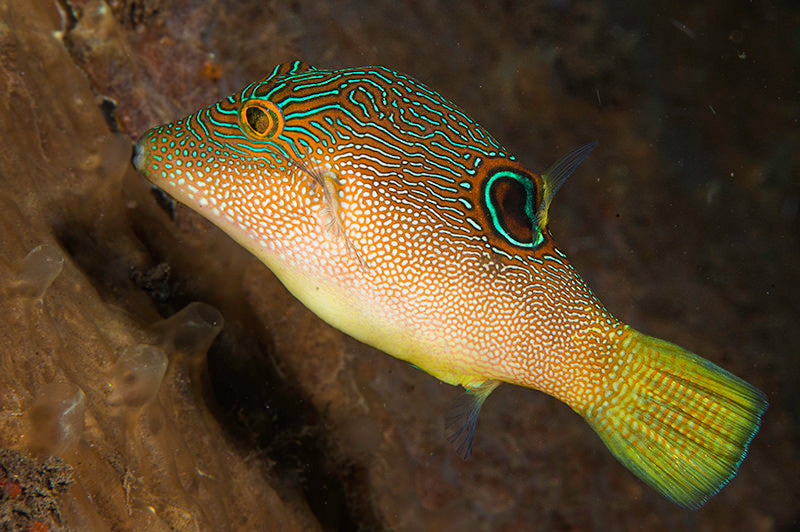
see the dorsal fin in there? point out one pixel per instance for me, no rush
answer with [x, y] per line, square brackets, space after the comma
[556, 175]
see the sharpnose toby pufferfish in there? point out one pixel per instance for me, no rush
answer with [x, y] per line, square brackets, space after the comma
[400, 221]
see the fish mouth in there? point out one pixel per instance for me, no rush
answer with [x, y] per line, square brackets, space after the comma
[138, 158]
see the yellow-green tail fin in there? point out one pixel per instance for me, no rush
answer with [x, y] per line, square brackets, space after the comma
[676, 420]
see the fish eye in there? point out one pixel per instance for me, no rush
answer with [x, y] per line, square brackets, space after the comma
[511, 199]
[261, 119]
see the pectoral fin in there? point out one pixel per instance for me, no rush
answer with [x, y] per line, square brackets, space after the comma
[326, 183]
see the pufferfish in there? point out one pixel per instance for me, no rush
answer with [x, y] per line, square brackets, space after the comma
[397, 219]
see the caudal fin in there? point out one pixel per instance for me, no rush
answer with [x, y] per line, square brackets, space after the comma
[676, 420]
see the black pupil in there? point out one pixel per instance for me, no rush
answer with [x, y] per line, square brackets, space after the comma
[258, 120]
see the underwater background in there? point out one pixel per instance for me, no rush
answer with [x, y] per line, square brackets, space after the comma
[684, 221]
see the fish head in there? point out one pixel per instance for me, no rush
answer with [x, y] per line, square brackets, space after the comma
[238, 164]
[358, 170]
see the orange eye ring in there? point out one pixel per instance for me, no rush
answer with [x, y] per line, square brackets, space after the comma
[261, 119]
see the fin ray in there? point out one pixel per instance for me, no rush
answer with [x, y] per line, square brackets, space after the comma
[463, 416]
[557, 175]
[680, 423]
[331, 208]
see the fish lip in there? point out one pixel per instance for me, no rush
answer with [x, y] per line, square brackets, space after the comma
[138, 157]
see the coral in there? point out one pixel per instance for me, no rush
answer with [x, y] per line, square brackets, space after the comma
[31, 490]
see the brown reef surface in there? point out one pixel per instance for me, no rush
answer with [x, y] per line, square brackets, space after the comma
[155, 376]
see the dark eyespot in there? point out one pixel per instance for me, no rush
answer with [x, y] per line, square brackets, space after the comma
[510, 199]
[261, 119]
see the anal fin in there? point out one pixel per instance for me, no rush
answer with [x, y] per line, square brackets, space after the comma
[463, 416]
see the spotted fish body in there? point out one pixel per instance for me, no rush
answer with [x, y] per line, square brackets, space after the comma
[397, 219]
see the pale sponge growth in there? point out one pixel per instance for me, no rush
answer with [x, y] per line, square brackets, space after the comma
[137, 375]
[155, 448]
[66, 181]
[37, 271]
[55, 420]
[189, 331]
